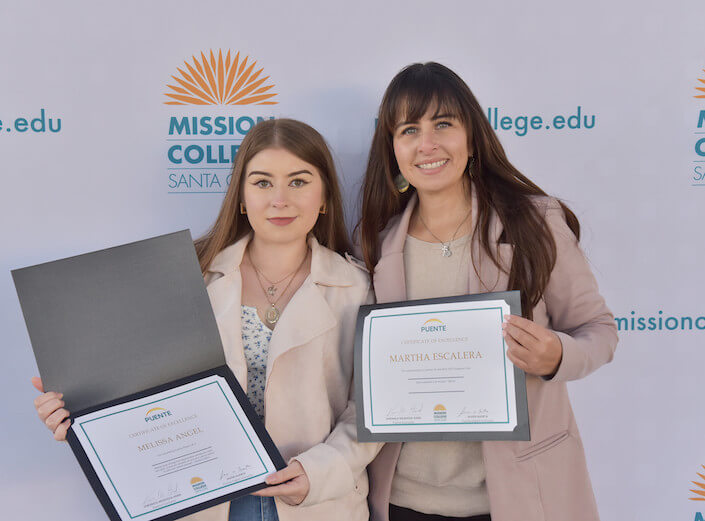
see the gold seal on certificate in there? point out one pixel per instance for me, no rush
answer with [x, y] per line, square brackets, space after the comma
[437, 369]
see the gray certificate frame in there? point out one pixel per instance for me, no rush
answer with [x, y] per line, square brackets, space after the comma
[119, 324]
[113, 322]
[521, 431]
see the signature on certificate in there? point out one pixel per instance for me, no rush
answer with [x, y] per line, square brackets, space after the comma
[242, 471]
[412, 410]
[161, 496]
[468, 413]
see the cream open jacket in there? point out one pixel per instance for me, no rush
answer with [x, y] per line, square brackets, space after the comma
[308, 410]
[545, 479]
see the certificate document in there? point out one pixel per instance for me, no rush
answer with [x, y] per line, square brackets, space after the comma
[175, 449]
[438, 369]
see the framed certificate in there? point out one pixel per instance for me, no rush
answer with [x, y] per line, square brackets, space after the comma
[174, 450]
[160, 426]
[437, 369]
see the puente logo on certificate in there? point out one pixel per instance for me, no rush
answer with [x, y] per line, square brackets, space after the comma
[215, 98]
[156, 413]
[433, 325]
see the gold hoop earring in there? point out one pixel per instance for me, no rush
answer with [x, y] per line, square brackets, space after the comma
[401, 183]
[243, 210]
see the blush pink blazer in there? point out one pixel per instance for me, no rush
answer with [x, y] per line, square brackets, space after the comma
[308, 409]
[545, 479]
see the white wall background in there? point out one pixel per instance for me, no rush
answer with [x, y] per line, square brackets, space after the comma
[103, 180]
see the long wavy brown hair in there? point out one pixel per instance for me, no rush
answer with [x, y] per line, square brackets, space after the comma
[308, 145]
[499, 186]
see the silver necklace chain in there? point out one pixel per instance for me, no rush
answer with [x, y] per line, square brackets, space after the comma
[445, 246]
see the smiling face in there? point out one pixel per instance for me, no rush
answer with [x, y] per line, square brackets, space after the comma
[432, 153]
[283, 195]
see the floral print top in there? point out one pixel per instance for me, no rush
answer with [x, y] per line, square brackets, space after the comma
[255, 340]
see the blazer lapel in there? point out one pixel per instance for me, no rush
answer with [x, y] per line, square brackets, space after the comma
[225, 293]
[389, 280]
[308, 315]
[485, 276]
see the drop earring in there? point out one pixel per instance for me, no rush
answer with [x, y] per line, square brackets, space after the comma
[470, 164]
[243, 210]
[401, 183]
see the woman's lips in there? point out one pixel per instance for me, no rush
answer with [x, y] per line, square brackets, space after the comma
[281, 221]
[432, 167]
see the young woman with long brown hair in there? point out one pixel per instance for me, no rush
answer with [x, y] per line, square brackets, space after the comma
[285, 301]
[444, 213]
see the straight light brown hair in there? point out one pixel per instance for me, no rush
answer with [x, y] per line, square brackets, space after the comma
[308, 145]
[499, 186]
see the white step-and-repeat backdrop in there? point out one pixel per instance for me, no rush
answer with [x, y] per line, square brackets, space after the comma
[118, 122]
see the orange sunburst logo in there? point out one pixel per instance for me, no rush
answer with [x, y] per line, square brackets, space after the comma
[220, 80]
[701, 89]
[700, 494]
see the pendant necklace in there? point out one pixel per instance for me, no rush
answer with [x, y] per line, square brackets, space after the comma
[272, 314]
[272, 288]
[445, 246]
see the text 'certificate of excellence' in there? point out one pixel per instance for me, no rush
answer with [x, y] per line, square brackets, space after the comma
[166, 452]
[437, 369]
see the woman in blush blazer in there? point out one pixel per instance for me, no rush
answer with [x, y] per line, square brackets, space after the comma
[445, 213]
[285, 302]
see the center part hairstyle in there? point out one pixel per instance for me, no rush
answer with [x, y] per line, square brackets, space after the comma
[498, 185]
[308, 145]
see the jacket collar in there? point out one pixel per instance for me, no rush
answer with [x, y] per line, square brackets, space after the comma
[327, 268]
[306, 316]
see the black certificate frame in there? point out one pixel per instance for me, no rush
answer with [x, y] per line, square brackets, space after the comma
[522, 430]
[257, 425]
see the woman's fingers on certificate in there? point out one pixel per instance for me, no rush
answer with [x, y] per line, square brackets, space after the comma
[291, 484]
[61, 430]
[50, 410]
[532, 348]
[37, 383]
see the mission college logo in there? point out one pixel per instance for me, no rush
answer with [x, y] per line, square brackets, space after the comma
[198, 484]
[439, 413]
[218, 81]
[214, 98]
[698, 175]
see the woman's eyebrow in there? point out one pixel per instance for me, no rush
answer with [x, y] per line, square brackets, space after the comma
[402, 123]
[267, 174]
[300, 172]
